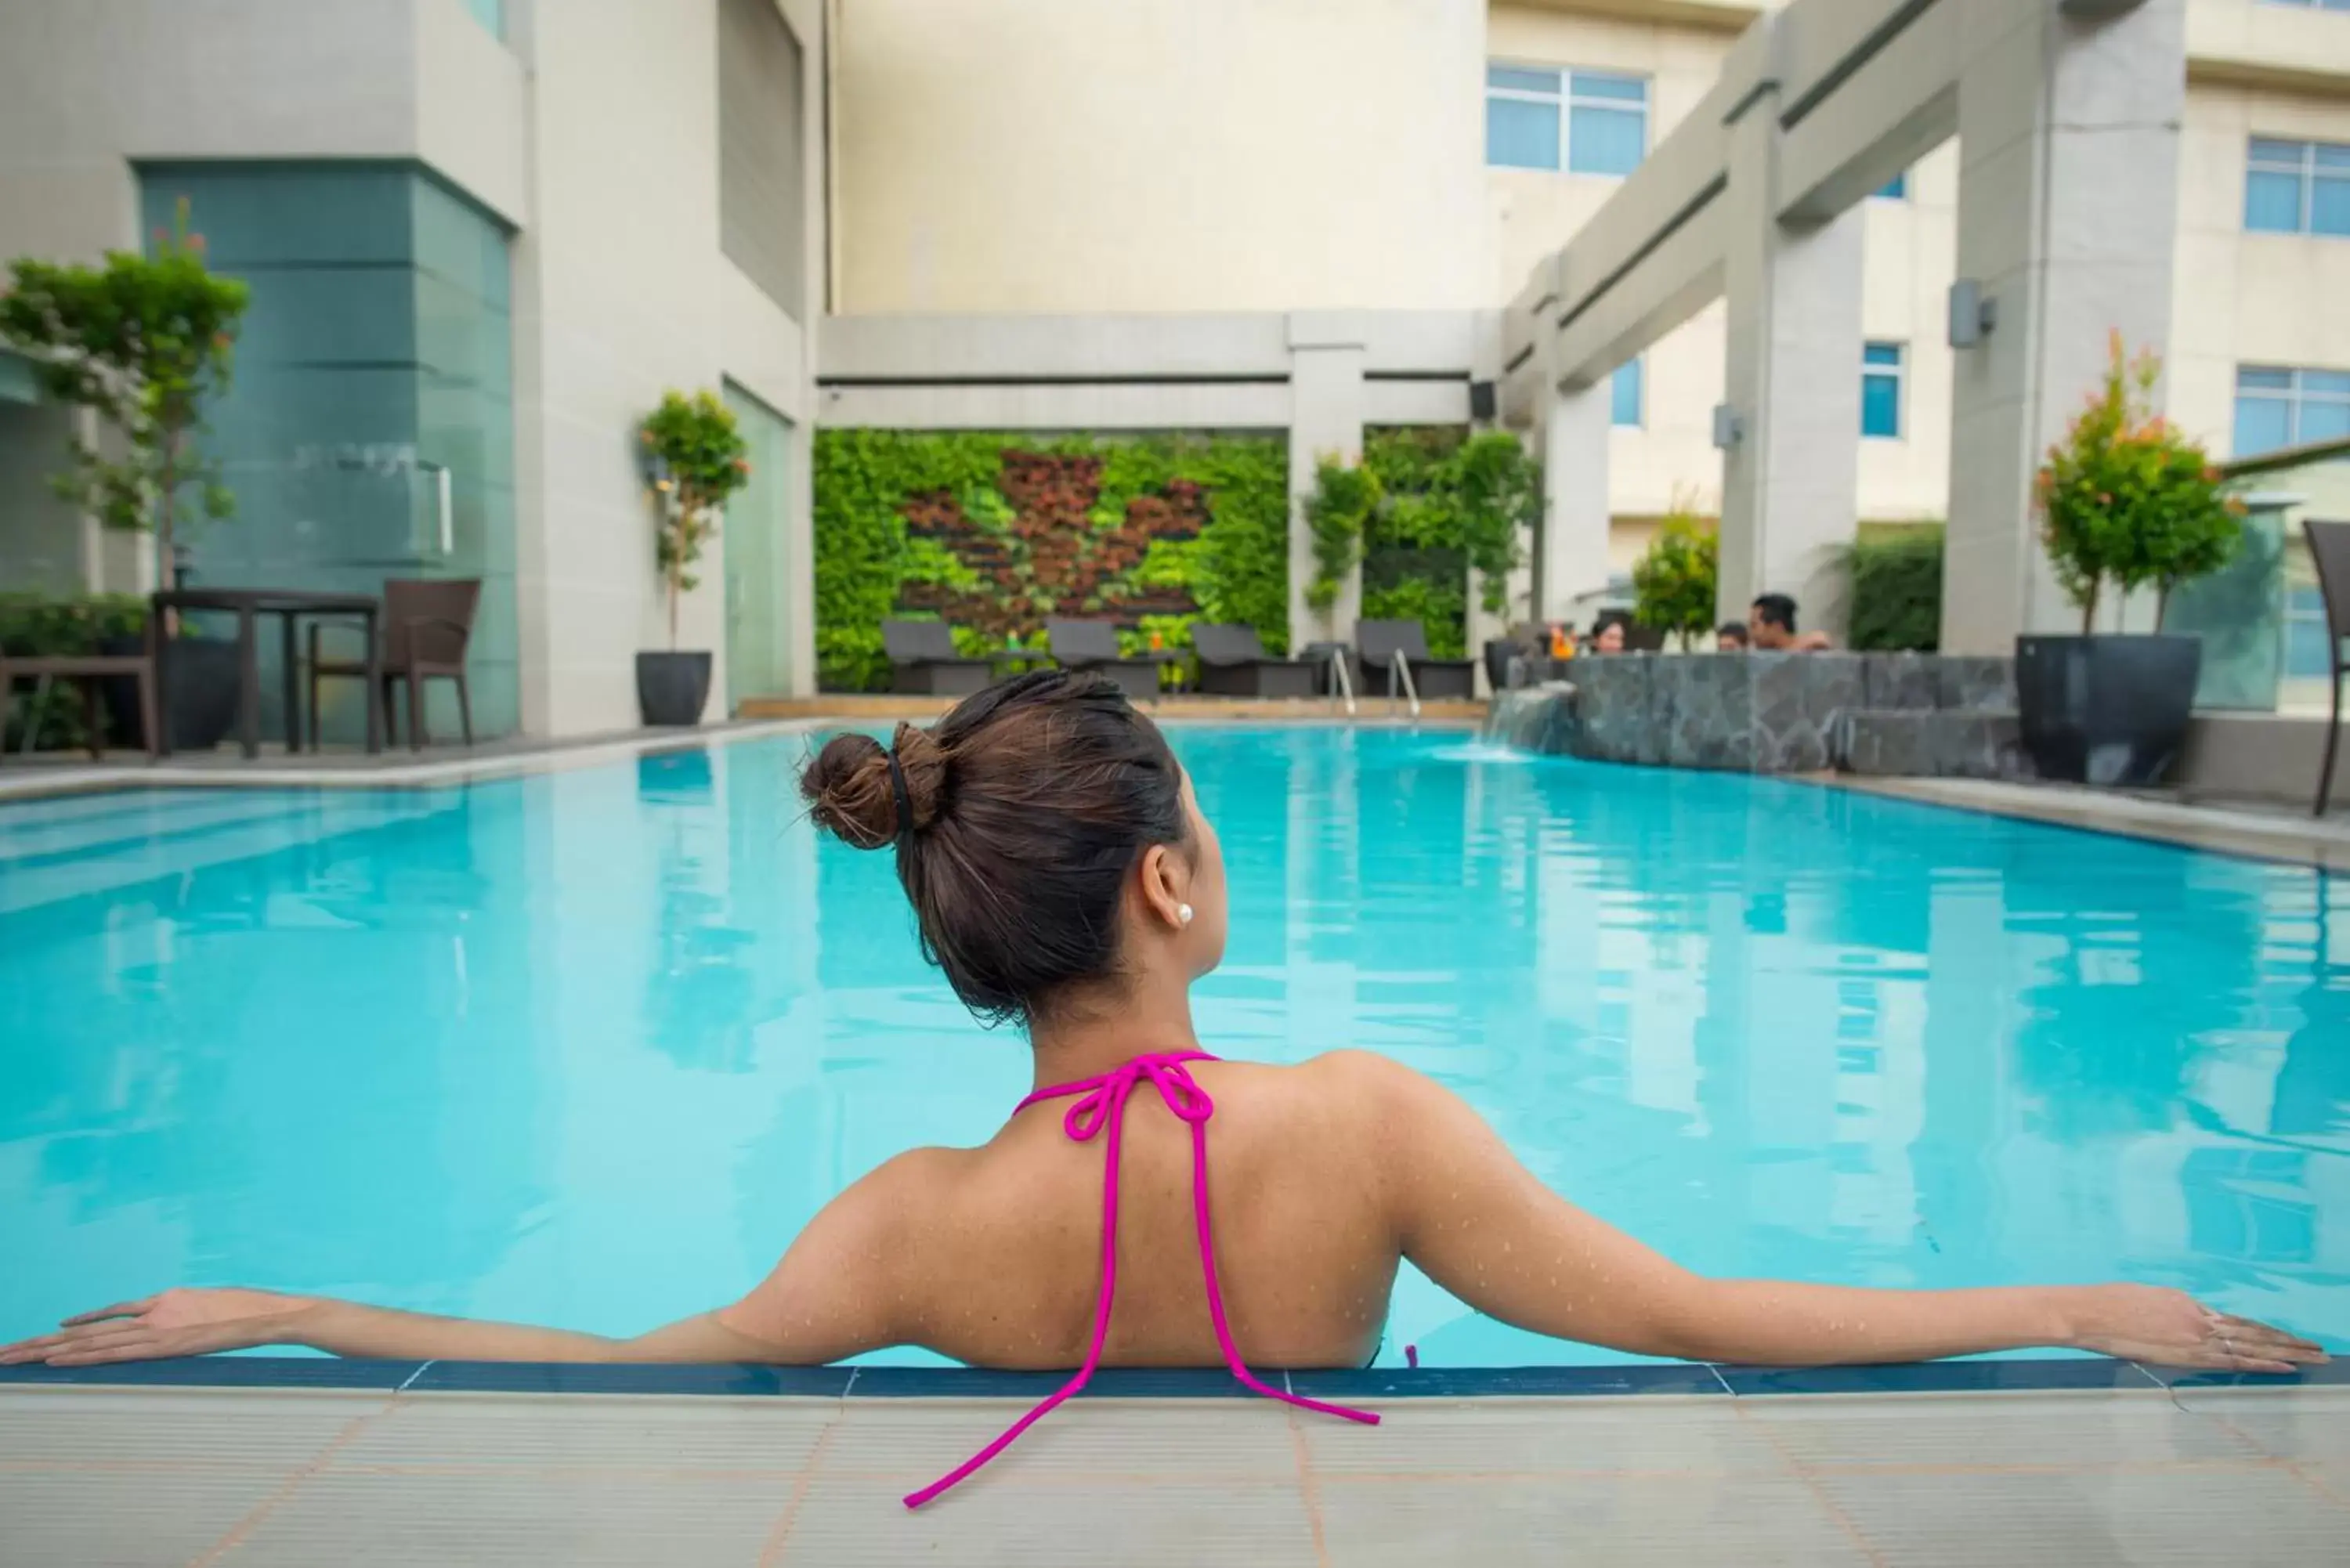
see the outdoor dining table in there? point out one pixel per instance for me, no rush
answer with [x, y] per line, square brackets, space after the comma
[290, 605]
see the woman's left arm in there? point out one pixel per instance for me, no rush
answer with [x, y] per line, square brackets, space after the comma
[834, 1295]
[1481, 1225]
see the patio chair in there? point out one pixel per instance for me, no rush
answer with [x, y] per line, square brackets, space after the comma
[86, 670]
[1234, 664]
[2329, 547]
[428, 624]
[1381, 644]
[923, 661]
[1093, 645]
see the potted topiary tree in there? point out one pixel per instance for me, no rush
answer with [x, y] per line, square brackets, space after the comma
[1673, 584]
[694, 459]
[2127, 501]
[143, 343]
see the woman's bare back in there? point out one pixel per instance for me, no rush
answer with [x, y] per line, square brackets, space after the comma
[1004, 1240]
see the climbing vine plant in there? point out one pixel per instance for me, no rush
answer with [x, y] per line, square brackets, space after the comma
[994, 533]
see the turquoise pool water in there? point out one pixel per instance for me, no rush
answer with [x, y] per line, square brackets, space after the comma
[587, 1048]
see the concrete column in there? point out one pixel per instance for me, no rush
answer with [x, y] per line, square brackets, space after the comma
[2068, 133]
[1572, 557]
[1326, 420]
[1789, 484]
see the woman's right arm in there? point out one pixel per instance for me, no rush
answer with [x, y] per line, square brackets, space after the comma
[834, 1295]
[1479, 1224]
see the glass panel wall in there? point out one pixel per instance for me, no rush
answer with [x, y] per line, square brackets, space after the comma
[370, 431]
[2261, 618]
[758, 585]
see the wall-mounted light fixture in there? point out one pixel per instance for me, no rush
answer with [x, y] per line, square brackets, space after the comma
[1973, 313]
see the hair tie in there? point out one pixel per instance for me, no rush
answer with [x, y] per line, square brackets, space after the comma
[905, 800]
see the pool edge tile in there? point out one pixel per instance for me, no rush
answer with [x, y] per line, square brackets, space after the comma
[222, 1372]
[1692, 1378]
[2043, 1376]
[707, 1380]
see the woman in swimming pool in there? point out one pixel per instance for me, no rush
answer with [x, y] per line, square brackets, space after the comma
[1062, 876]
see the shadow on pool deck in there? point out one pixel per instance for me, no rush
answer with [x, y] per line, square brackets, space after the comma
[127, 1474]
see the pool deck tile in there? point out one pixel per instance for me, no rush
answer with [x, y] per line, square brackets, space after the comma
[228, 1479]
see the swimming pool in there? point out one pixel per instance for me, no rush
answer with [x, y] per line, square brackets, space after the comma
[588, 1048]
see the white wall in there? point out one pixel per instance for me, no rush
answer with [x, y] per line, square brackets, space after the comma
[592, 130]
[622, 293]
[1161, 155]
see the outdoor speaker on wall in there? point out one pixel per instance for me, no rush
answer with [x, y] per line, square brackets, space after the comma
[1973, 314]
[1483, 403]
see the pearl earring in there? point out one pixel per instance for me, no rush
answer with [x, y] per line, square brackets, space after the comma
[1183, 913]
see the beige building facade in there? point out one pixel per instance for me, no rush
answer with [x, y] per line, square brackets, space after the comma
[1299, 215]
[1318, 154]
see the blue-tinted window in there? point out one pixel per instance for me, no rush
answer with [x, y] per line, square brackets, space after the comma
[1609, 133]
[1895, 189]
[1521, 133]
[491, 15]
[2305, 653]
[2314, 5]
[2279, 407]
[1625, 394]
[1880, 390]
[1590, 122]
[2296, 187]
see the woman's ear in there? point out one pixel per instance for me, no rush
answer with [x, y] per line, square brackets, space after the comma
[1166, 882]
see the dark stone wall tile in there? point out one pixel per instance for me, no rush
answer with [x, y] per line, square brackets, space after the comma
[1975, 684]
[1901, 682]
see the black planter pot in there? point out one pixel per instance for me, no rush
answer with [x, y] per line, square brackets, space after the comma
[199, 706]
[672, 688]
[2105, 710]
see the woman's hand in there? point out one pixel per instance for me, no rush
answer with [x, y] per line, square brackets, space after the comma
[175, 1323]
[2171, 1328]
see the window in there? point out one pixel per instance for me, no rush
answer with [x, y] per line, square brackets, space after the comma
[760, 199]
[2314, 5]
[491, 15]
[1624, 389]
[1587, 122]
[1895, 189]
[2297, 188]
[2306, 655]
[2276, 407]
[1880, 390]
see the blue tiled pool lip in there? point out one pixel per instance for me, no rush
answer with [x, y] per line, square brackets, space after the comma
[1695, 1379]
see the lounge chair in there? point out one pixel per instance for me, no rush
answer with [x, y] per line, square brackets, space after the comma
[1093, 645]
[428, 624]
[923, 661]
[1234, 664]
[1378, 643]
[2329, 547]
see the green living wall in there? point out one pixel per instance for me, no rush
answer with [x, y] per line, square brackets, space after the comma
[1449, 500]
[994, 533]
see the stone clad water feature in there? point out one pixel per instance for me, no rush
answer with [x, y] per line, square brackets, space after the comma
[1891, 714]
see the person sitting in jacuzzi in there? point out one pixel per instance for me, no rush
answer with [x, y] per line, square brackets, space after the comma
[1063, 877]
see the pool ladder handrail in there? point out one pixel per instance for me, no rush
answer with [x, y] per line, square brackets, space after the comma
[1342, 681]
[1400, 666]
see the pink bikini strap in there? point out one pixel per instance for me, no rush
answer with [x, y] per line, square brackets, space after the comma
[1102, 1104]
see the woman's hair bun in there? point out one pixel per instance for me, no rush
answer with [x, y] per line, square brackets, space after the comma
[850, 792]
